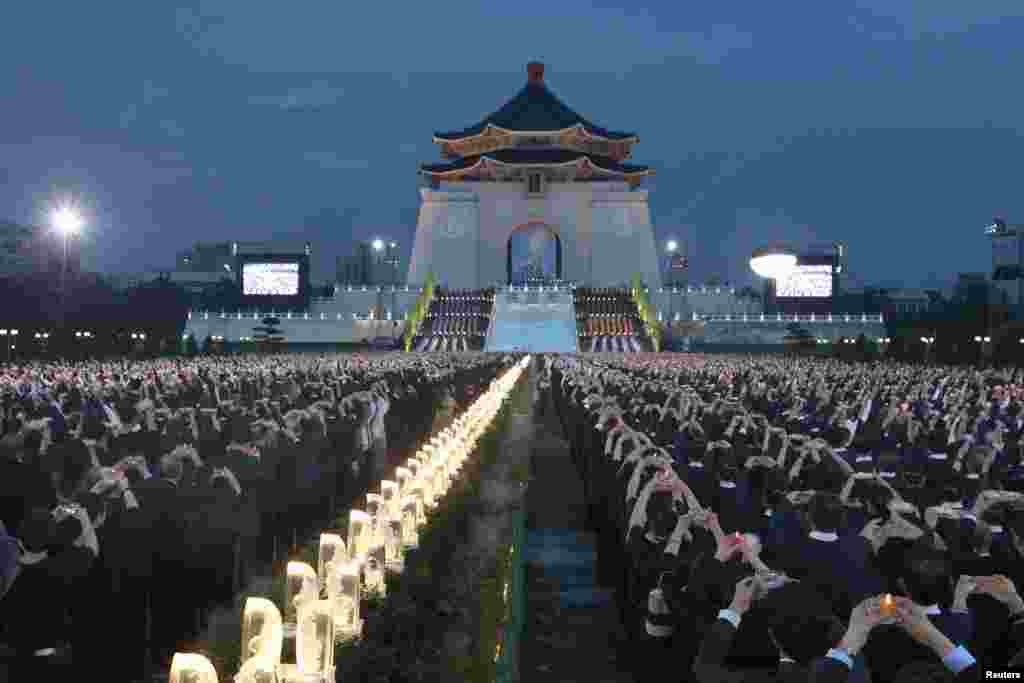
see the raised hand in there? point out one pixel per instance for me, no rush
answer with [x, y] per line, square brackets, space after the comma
[743, 595]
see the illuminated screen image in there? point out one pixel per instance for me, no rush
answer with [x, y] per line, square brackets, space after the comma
[270, 279]
[806, 282]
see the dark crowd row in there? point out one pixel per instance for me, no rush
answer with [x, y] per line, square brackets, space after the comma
[135, 497]
[775, 518]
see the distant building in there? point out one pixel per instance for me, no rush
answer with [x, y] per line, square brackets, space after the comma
[1008, 262]
[367, 266]
[357, 267]
[906, 302]
[975, 289]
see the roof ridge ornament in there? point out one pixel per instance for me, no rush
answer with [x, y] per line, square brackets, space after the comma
[535, 72]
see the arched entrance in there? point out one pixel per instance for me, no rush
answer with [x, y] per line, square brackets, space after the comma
[534, 255]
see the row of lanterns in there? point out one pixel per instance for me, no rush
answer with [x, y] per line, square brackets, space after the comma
[322, 605]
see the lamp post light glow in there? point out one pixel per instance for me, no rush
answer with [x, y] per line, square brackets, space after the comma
[773, 263]
[377, 244]
[68, 222]
[671, 246]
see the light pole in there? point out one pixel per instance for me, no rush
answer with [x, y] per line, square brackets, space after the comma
[928, 341]
[671, 247]
[68, 222]
[982, 342]
[10, 346]
[393, 258]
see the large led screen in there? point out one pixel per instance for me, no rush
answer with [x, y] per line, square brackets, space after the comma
[270, 279]
[806, 282]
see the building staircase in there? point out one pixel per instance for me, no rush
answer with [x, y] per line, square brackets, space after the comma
[533, 321]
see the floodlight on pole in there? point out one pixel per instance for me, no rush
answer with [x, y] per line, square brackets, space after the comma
[671, 246]
[67, 220]
[377, 244]
[773, 263]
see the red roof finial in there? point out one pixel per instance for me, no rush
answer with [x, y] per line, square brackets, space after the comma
[535, 72]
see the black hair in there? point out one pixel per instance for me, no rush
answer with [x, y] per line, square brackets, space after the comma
[928, 575]
[661, 514]
[808, 637]
[825, 511]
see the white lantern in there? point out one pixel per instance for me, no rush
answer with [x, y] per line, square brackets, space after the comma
[402, 477]
[441, 480]
[376, 509]
[332, 552]
[394, 558]
[301, 586]
[411, 506]
[344, 593]
[425, 480]
[413, 466]
[258, 670]
[360, 534]
[373, 571]
[187, 667]
[389, 491]
[314, 643]
[262, 631]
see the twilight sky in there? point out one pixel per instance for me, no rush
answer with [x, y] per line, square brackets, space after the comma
[894, 125]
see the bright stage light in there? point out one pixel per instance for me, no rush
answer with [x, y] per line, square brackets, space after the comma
[774, 263]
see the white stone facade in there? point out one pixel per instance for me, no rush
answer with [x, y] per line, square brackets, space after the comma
[604, 228]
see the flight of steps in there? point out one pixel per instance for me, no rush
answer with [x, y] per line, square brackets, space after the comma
[533, 322]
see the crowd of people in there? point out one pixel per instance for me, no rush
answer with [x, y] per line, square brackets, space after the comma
[781, 518]
[607, 321]
[457, 321]
[136, 495]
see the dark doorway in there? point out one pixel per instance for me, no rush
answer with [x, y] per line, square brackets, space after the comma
[534, 255]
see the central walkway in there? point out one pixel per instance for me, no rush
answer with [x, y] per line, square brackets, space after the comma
[571, 625]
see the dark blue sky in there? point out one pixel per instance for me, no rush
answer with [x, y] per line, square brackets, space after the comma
[894, 125]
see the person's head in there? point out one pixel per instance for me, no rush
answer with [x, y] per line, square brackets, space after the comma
[927, 575]
[172, 467]
[837, 436]
[661, 515]
[824, 512]
[873, 496]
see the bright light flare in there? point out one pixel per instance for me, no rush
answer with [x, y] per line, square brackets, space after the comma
[774, 264]
[67, 220]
